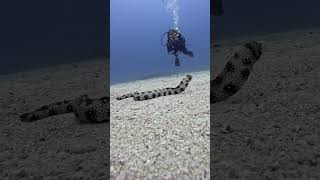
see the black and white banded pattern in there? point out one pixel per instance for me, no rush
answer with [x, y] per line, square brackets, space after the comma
[140, 96]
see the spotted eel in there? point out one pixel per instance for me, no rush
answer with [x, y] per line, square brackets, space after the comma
[225, 85]
[235, 72]
[85, 109]
[159, 92]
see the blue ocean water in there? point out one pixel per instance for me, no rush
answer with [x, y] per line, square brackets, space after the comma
[253, 17]
[36, 34]
[136, 28]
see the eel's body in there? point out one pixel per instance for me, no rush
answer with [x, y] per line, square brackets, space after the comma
[226, 84]
[85, 109]
[235, 73]
[140, 96]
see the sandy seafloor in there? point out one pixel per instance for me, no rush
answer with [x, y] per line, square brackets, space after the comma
[58, 146]
[165, 137]
[269, 130]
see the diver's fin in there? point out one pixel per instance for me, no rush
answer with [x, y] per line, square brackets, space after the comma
[190, 54]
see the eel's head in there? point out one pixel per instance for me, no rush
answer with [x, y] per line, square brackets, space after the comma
[189, 76]
[255, 48]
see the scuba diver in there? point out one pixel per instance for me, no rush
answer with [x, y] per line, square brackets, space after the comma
[176, 43]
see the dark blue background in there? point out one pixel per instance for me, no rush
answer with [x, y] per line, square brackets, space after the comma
[40, 33]
[247, 17]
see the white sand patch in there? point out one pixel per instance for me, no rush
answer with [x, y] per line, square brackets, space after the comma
[162, 136]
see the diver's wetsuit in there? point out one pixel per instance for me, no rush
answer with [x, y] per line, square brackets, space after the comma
[178, 44]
